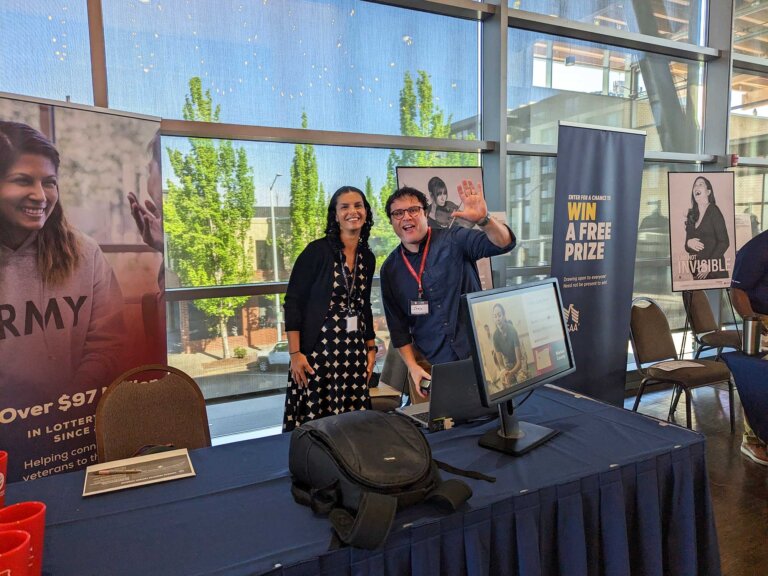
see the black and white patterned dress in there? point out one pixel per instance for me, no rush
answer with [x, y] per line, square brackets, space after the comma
[340, 360]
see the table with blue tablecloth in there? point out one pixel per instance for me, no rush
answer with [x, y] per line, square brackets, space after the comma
[750, 374]
[614, 493]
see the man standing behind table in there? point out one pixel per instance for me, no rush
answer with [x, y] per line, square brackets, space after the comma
[749, 287]
[422, 280]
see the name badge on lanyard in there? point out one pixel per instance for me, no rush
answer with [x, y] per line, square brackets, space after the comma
[352, 323]
[420, 306]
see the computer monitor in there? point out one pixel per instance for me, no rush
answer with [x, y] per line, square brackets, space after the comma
[519, 342]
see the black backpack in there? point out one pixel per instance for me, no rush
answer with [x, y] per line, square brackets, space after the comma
[361, 467]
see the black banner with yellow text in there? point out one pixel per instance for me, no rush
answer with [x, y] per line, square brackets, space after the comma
[594, 239]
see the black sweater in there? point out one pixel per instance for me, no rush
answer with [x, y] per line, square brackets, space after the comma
[309, 292]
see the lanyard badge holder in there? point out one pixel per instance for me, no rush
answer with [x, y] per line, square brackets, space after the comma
[352, 324]
[420, 306]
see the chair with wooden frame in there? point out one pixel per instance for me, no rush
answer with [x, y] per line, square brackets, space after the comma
[707, 333]
[655, 351]
[151, 405]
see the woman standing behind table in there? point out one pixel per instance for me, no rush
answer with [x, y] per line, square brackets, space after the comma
[328, 316]
[706, 237]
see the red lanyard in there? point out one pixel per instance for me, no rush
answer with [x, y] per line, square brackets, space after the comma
[423, 263]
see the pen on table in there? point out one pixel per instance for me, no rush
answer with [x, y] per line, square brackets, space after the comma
[111, 472]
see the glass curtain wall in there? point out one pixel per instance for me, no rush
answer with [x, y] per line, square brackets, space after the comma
[315, 94]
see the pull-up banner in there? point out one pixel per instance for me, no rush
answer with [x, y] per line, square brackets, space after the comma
[594, 239]
[63, 340]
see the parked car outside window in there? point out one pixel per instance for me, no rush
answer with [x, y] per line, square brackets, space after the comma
[278, 356]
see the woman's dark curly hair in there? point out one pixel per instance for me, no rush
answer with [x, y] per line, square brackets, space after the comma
[332, 230]
[693, 212]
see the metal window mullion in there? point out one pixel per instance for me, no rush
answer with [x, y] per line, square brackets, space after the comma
[202, 292]
[98, 54]
[717, 83]
[190, 129]
[750, 63]
[493, 108]
[549, 150]
[753, 162]
[465, 9]
[493, 90]
[614, 38]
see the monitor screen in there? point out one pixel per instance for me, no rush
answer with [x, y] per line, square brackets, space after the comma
[519, 339]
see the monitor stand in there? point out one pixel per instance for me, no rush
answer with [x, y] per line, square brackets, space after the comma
[515, 437]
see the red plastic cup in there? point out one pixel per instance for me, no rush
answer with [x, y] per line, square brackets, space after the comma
[3, 475]
[29, 517]
[15, 553]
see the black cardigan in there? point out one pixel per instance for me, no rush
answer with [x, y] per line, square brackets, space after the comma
[309, 292]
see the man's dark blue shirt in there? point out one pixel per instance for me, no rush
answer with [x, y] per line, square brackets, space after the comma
[443, 334]
[750, 272]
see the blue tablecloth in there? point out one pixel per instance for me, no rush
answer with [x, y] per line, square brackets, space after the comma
[750, 373]
[614, 493]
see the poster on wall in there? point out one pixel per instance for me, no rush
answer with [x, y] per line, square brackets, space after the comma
[440, 185]
[81, 273]
[594, 242]
[701, 229]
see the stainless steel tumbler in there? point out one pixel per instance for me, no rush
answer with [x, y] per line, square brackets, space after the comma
[751, 335]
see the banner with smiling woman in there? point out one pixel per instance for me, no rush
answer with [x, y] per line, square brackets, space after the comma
[77, 261]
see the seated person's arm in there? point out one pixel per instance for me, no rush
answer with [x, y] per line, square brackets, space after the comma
[744, 307]
[741, 302]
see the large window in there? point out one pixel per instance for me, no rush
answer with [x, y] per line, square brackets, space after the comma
[749, 33]
[751, 202]
[44, 49]
[551, 79]
[342, 63]
[278, 172]
[530, 209]
[670, 19]
[258, 365]
[749, 113]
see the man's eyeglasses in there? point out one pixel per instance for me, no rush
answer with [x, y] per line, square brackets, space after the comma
[400, 212]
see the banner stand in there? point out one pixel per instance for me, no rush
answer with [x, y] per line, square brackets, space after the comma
[594, 242]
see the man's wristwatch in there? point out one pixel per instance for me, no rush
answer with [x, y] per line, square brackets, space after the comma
[484, 220]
